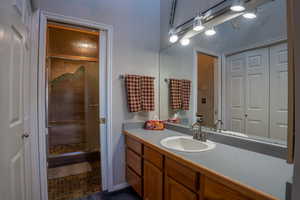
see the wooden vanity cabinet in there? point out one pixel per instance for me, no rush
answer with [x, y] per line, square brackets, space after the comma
[153, 174]
[181, 182]
[134, 165]
[144, 170]
[182, 174]
[158, 175]
[217, 191]
[153, 182]
[134, 180]
[175, 191]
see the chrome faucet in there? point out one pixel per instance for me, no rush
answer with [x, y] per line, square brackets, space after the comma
[198, 134]
[217, 124]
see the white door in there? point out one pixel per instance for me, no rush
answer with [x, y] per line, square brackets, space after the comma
[257, 92]
[235, 117]
[278, 91]
[13, 108]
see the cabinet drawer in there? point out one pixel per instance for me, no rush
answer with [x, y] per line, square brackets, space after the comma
[176, 191]
[215, 191]
[134, 145]
[134, 180]
[153, 156]
[134, 161]
[182, 174]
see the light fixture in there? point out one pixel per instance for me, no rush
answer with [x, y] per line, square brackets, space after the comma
[250, 15]
[210, 32]
[237, 6]
[173, 36]
[197, 25]
[185, 41]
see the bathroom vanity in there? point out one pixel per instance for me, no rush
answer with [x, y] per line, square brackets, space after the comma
[225, 172]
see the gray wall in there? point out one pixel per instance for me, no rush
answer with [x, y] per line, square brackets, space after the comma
[136, 46]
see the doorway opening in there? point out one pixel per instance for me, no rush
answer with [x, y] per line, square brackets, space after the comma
[73, 119]
[207, 84]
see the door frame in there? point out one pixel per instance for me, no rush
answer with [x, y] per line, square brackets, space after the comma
[106, 40]
[217, 77]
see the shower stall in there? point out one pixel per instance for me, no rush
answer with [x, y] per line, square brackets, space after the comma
[74, 163]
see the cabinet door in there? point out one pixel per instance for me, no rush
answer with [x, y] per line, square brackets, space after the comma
[217, 191]
[153, 182]
[134, 180]
[176, 191]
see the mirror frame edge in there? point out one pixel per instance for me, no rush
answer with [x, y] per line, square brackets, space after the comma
[291, 81]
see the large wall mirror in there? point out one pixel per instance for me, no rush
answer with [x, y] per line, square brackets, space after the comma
[238, 75]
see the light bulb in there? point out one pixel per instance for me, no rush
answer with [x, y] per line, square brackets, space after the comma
[237, 6]
[250, 15]
[210, 32]
[197, 26]
[173, 38]
[185, 41]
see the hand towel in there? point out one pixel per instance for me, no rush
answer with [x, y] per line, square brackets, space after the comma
[175, 94]
[134, 95]
[147, 90]
[185, 94]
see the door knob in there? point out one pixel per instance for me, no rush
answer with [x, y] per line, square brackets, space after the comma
[25, 135]
[102, 120]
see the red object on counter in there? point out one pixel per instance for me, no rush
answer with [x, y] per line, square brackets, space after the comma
[157, 125]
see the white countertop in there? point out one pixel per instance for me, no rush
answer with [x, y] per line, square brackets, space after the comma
[262, 172]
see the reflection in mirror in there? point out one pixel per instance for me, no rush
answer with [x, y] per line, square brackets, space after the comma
[238, 76]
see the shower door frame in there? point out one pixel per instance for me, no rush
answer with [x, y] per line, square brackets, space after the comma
[105, 96]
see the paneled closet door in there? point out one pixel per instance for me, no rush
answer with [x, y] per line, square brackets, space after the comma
[235, 117]
[257, 92]
[278, 91]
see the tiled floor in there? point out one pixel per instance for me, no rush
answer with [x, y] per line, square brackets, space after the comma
[126, 194]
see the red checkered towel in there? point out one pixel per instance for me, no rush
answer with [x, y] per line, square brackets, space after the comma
[147, 89]
[185, 94]
[175, 94]
[140, 93]
[180, 92]
[133, 88]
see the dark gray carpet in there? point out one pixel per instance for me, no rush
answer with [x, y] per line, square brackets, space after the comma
[126, 194]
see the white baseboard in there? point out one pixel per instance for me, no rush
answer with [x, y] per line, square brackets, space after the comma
[119, 187]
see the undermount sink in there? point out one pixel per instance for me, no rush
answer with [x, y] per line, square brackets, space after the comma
[186, 144]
